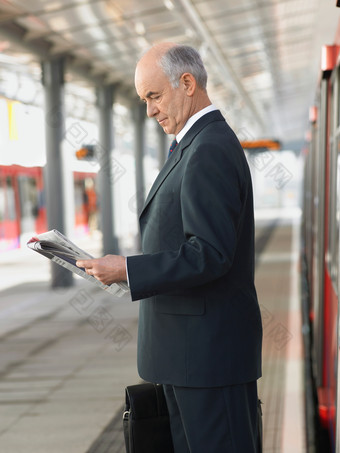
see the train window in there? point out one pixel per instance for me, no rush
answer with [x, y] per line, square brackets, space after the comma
[2, 202]
[334, 183]
[10, 198]
[9, 195]
[335, 245]
[28, 202]
[333, 209]
[7, 200]
[79, 193]
[337, 102]
[85, 203]
[335, 106]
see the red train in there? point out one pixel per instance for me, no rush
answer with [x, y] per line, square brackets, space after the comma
[22, 203]
[321, 253]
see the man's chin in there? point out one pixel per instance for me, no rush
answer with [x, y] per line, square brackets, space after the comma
[167, 130]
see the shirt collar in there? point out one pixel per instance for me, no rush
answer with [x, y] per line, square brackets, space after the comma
[192, 120]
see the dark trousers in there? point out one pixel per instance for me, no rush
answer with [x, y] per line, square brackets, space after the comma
[213, 420]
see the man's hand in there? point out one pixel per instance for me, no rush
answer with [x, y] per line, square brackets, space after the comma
[108, 269]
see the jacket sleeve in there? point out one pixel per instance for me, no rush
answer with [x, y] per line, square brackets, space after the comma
[212, 197]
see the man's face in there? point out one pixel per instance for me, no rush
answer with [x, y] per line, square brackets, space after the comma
[169, 106]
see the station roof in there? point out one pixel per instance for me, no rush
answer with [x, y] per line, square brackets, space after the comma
[262, 56]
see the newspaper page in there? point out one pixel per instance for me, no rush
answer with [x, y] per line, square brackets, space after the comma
[58, 248]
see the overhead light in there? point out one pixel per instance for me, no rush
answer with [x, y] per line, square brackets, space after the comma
[140, 29]
[54, 6]
[169, 5]
[60, 23]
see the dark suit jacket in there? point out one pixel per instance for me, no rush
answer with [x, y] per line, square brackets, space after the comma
[199, 322]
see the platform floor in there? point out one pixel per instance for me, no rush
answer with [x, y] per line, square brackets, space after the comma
[281, 388]
[67, 355]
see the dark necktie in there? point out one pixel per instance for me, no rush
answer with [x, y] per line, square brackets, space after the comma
[172, 147]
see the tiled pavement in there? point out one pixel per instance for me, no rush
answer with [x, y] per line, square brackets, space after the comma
[281, 387]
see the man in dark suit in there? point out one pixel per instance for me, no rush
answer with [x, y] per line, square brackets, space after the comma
[200, 328]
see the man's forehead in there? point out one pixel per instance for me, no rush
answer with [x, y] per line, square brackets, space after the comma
[147, 67]
[149, 80]
[149, 64]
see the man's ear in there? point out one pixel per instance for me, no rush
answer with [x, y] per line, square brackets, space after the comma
[189, 83]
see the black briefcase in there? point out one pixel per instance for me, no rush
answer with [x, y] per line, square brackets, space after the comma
[146, 420]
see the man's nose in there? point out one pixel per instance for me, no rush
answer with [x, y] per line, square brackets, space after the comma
[151, 109]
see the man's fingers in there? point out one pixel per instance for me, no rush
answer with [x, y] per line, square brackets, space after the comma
[84, 263]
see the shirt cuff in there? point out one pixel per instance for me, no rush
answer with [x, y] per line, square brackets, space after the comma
[127, 273]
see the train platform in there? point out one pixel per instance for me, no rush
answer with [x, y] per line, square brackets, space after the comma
[67, 355]
[281, 387]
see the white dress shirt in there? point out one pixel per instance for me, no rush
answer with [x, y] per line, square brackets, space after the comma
[192, 120]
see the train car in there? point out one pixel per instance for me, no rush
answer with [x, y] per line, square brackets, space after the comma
[22, 207]
[22, 203]
[320, 233]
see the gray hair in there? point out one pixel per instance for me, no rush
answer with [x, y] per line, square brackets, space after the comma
[180, 59]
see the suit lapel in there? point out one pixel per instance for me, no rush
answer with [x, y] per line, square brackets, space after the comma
[171, 163]
[168, 166]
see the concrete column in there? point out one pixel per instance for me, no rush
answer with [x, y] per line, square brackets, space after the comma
[105, 175]
[139, 116]
[162, 147]
[53, 82]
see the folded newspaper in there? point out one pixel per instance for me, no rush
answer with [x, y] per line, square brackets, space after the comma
[58, 248]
